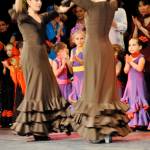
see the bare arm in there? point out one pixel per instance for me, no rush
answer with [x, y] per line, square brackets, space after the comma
[118, 68]
[126, 68]
[138, 26]
[16, 9]
[57, 71]
[80, 61]
[85, 4]
[140, 66]
[145, 31]
[127, 65]
[18, 6]
[135, 32]
[69, 65]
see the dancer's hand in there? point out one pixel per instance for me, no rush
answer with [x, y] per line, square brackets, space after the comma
[61, 9]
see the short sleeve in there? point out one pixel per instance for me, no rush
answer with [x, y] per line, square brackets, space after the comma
[85, 4]
[49, 16]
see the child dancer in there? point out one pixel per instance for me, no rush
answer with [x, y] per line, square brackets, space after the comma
[134, 93]
[77, 63]
[61, 65]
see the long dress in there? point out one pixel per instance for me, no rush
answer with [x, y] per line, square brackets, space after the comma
[99, 112]
[134, 95]
[43, 108]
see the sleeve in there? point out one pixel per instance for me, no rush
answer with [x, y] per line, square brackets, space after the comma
[19, 17]
[12, 14]
[122, 21]
[48, 16]
[85, 4]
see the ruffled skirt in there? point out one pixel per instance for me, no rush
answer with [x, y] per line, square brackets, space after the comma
[95, 122]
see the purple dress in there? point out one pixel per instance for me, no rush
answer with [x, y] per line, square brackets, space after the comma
[78, 73]
[134, 95]
[63, 80]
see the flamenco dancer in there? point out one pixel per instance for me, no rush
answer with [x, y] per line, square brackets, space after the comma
[98, 114]
[43, 108]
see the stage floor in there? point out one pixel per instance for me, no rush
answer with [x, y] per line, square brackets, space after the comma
[138, 140]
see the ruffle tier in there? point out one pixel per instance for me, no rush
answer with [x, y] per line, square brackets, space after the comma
[39, 118]
[95, 122]
[138, 112]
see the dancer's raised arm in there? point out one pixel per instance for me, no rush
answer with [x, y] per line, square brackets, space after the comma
[18, 6]
[67, 4]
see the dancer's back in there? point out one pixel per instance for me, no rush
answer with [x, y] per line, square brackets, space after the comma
[99, 112]
[99, 85]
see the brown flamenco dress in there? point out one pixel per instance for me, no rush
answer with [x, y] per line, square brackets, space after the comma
[43, 109]
[99, 112]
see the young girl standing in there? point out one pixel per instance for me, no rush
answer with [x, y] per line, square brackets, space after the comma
[61, 66]
[134, 93]
[77, 63]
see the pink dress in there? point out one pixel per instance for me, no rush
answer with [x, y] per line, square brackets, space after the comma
[63, 80]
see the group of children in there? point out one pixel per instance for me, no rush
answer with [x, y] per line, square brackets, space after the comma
[134, 91]
[64, 65]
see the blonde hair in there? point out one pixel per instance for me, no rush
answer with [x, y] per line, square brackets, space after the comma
[76, 33]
